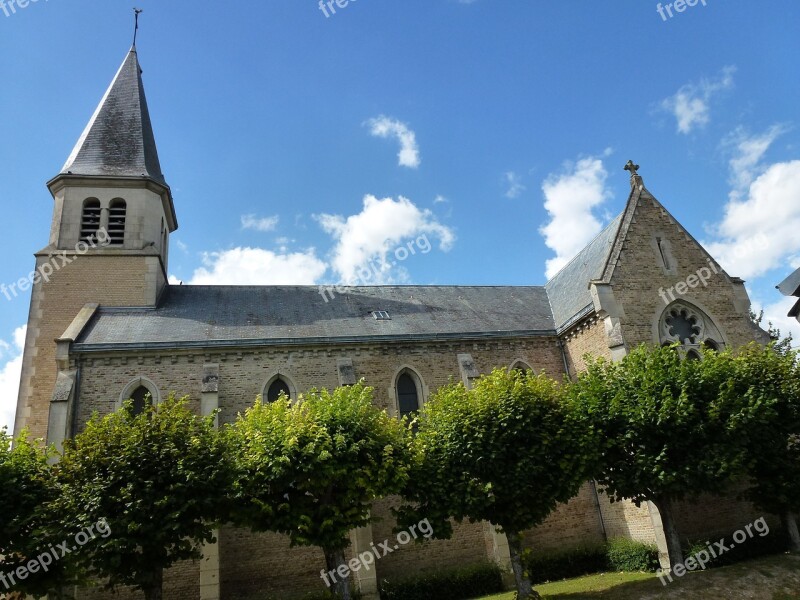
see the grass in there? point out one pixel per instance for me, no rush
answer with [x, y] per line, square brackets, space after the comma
[771, 578]
[590, 583]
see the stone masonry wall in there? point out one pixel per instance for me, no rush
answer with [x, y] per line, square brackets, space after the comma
[109, 280]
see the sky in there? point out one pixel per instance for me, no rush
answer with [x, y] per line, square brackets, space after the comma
[473, 142]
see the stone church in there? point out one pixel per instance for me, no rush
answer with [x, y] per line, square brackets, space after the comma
[105, 325]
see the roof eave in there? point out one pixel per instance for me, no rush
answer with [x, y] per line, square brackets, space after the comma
[87, 348]
[63, 180]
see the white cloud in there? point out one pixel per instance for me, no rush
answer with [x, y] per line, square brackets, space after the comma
[570, 198]
[760, 233]
[369, 236]
[256, 266]
[691, 105]
[777, 314]
[259, 223]
[440, 200]
[386, 127]
[748, 152]
[513, 183]
[9, 376]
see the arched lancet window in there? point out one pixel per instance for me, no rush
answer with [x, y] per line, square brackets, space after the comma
[522, 367]
[163, 241]
[141, 399]
[142, 391]
[407, 394]
[116, 222]
[276, 388]
[692, 355]
[90, 219]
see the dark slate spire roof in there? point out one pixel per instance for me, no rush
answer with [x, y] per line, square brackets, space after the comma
[119, 141]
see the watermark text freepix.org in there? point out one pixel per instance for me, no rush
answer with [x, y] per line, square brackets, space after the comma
[376, 268]
[54, 553]
[365, 559]
[679, 6]
[9, 7]
[701, 276]
[704, 274]
[699, 560]
[45, 270]
[328, 7]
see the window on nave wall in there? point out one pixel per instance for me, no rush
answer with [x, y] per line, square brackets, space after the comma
[407, 395]
[141, 400]
[276, 388]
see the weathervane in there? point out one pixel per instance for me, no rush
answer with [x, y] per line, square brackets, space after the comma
[136, 13]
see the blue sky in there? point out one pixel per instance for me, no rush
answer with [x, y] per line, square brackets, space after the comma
[488, 134]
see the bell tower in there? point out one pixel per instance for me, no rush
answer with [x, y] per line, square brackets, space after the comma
[109, 238]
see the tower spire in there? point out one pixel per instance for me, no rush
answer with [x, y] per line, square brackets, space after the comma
[119, 140]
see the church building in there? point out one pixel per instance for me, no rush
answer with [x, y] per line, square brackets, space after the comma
[105, 325]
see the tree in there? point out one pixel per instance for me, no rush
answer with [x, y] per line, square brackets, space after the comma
[312, 469]
[664, 422]
[782, 344]
[767, 383]
[507, 452]
[158, 480]
[27, 528]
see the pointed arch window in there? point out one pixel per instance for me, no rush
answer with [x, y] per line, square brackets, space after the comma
[407, 395]
[142, 399]
[522, 367]
[117, 213]
[276, 388]
[90, 219]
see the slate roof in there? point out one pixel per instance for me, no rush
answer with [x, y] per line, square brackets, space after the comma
[203, 316]
[119, 140]
[568, 290]
[791, 287]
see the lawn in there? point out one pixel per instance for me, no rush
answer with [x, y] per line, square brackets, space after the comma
[771, 578]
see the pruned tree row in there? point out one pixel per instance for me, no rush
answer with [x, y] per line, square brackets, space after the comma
[134, 494]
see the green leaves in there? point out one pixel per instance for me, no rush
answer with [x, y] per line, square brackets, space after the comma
[506, 451]
[159, 480]
[311, 469]
[766, 390]
[28, 486]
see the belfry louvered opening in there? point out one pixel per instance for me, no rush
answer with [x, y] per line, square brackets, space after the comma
[90, 219]
[116, 222]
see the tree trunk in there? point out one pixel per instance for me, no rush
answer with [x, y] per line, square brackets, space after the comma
[674, 550]
[790, 524]
[56, 594]
[340, 586]
[524, 587]
[154, 589]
